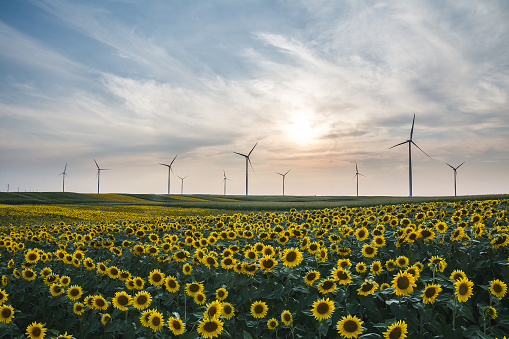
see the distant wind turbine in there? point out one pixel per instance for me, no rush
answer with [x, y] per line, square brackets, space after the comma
[224, 181]
[410, 142]
[357, 175]
[247, 161]
[182, 186]
[63, 174]
[99, 174]
[284, 175]
[169, 172]
[454, 169]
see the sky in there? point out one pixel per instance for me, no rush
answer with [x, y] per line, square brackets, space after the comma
[319, 85]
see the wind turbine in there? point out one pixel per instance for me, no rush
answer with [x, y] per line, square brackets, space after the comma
[410, 142]
[284, 175]
[169, 172]
[224, 181]
[99, 174]
[182, 186]
[247, 160]
[357, 175]
[63, 174]
[454, 169]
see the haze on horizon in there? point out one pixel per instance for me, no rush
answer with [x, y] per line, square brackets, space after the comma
[318, 84]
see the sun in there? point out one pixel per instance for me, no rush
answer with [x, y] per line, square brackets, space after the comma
[300, 129]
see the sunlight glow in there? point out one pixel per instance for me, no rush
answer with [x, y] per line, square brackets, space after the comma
[300, 130]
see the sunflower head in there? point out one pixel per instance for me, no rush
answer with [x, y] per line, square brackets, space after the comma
[349, 326]
[259, 309]
[397, 330]
[272, 324]
[210, 328]
[323, 309]
[176, 325]
[498, 288]
[463, 289]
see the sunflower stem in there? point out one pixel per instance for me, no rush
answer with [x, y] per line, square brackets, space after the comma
[454, 314]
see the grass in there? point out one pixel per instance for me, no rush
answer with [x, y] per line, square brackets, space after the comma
[221, 203]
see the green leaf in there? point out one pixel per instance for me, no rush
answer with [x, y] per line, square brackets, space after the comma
[247, 335]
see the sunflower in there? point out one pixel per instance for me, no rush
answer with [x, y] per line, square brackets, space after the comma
[32, 256]
[56, 289]
[105, 318]
[89, 264]
[272, 324]
[200, 298]
[156, 321]
[384, 286]
[89, 301]
[266, 264]
[78, 308]
[210, 328]
[368, 287]
[397, 330]
[463, 289]
[344, 263]
[259, 309]
[414, 271]
[113, 272]
[311, 276]
[402, 261]
[291, 257]
[491, 312]
[36, 331]
[171, 284]
[156, 277]
[286, 317]
[6, 313]
[139, 283]
[228, 311]
[247, 268]
[100, 303]
[349, 327]
[176, 325]
[228, 263]
[122, 300]
[361, 233]
[187, 269]
[74, 292]
[457, 275]
[498, 288]
[221, 293]
[193, 288]
[3, 296]
[145, 315]
[341, 276]
[323, 309]
[326, 286]
[500, 241]
[360, 267]
[369, 251]
[430, 292]
[142, 300]
[28, 274]
[376, 267]
[214, 309]
[403, 283]
[64, 336]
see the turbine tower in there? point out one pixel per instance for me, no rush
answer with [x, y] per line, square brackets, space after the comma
[247, 161]
[99, 174]
[182, 186]
[454, 169]
[357, 175]
[284, 175]
[224, 182]
[63, 174]
[169, 172]
[410, 142]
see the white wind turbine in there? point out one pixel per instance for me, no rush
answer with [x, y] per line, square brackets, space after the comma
[169, 172]
[99, 174]
[410, 142]
[357, 175]
[182, 185]
[63, 174]
[224, 182]
[455, 169]
[284, 175]
[247, 161]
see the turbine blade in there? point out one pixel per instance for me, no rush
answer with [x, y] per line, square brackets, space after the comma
[450, 166]
[164, 165]
[356, 169]
[460, 165]
[401, 143]
[96, 164]
[240, 154]
[412, 130]
[420, 149]
[288, 171]
[249, 160]
[279, 173]
[171, 163]
[252, 149]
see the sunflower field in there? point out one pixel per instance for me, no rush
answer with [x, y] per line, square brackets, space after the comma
[427, 270]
